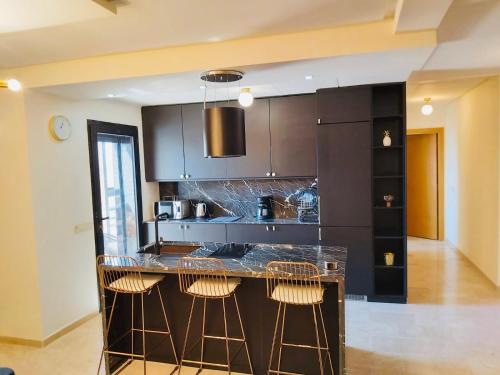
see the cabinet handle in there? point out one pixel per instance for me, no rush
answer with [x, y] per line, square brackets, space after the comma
[273, 174]
[268, 174]
[182, 176]
[186, 227]
[274, 228]
[181, 227]
[319, 121]
[188, 176]
[267, 228]
[319, 234]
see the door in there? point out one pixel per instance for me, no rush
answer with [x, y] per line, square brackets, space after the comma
[344, 174]
[116, 187]
[358, 241]
[197, 166]
[422, 186]
[293, 136]
[163, 144]
[257, 162]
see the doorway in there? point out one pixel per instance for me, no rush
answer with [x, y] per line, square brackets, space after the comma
[425, 183]
[116, 187]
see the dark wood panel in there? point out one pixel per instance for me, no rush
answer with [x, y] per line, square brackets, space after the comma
[359, 272]
[344, 174]
[256, 163]
[344, 104]
[296, 234]
[205, 232]
[197, 166]
[293, 135]
[163, 146]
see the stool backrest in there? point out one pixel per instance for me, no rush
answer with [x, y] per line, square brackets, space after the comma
[211, 271]
[119, 273]
[299, 282]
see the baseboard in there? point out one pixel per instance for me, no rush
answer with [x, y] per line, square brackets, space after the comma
[475, 266]
[48, 339]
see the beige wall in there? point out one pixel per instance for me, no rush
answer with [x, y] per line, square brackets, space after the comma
[58, 199]
[472, 173]
[20, 313]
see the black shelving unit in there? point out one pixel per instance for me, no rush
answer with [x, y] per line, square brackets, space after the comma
[389, 177]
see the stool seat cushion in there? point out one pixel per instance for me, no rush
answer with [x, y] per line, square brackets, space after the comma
[132, 283]
[205, 287]
[298, 294]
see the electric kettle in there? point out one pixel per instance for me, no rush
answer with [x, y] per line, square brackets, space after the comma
[201, 209]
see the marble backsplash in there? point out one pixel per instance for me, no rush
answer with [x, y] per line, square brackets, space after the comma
[239, 197]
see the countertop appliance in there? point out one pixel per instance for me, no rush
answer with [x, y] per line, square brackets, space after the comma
[165, 208]
[181, 209]
[307, 205]
[264, 207]
[201, 209]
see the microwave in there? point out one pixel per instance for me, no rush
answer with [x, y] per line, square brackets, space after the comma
[162, 207]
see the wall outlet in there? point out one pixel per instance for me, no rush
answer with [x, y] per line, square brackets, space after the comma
[83, 227]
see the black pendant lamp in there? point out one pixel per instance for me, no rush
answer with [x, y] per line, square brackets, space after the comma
[223, 126]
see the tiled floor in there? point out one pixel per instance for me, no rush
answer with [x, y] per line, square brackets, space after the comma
[450, 326]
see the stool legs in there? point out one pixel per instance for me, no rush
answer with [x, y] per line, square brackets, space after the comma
[105, 338]
[203, 333]
[282, 314]
[243, 333]
[187, 334]
[168, 325]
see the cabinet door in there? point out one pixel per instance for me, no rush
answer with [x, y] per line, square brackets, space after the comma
[344, 174]
[344, 104]
[256, 163]
[293, 136]
[205, 232]
[163, 147]
[197, 166]
[295, 234]
[358, 241]
[166, 231]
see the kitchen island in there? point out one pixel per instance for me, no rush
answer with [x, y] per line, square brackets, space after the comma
[257, 311]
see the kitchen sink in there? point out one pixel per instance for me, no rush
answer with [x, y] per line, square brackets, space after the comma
[232, 250]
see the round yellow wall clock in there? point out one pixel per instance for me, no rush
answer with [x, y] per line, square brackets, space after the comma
[60, 127]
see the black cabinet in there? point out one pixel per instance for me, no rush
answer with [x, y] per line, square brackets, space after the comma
[297, 234]
[256, 162]
[358, 241]
[196, 165]
[163, 144]
[344, 174]
[344, 104]
[293, 135]
[205, 232]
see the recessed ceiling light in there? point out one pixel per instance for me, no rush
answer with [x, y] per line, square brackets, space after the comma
[308, 77]
[111, 95]
[427, 108]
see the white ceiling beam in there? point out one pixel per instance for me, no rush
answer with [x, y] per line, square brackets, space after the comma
[413, 15]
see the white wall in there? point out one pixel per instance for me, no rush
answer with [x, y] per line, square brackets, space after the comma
[62, 199]
[20, 313]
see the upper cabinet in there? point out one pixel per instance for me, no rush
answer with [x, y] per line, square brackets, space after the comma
[256, 163]
[163, 144]
[280, 141]
[344, 104]
[196, 165]
[293, 136]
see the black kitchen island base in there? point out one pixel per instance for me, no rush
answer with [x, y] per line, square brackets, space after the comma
[258, 314]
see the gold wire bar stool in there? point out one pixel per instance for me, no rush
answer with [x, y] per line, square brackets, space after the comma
[206, 278]
[296, 283]
[120, 274]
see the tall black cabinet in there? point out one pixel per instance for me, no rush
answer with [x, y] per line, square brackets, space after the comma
[355, 172]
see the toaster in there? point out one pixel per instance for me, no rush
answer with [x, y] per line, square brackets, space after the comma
[181, 209]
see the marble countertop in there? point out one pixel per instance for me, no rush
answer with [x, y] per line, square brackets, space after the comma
[243, 220]
[254, 262]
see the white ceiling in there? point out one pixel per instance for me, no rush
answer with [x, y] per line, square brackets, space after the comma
[19, 15]
[144, 24]
[264, 80]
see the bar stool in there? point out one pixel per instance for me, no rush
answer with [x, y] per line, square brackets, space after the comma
[121, 275]
[296, 283]
[206, 278]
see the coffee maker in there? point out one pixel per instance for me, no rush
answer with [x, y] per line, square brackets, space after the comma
[264, 207]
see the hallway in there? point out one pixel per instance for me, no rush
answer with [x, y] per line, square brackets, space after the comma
[450, 326]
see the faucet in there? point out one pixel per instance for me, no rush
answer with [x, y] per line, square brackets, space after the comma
[159, 217]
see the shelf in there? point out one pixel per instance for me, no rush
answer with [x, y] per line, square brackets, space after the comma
[383, 266]
[387, 237]
[388, 177]
[397, 147]
[384, 116]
